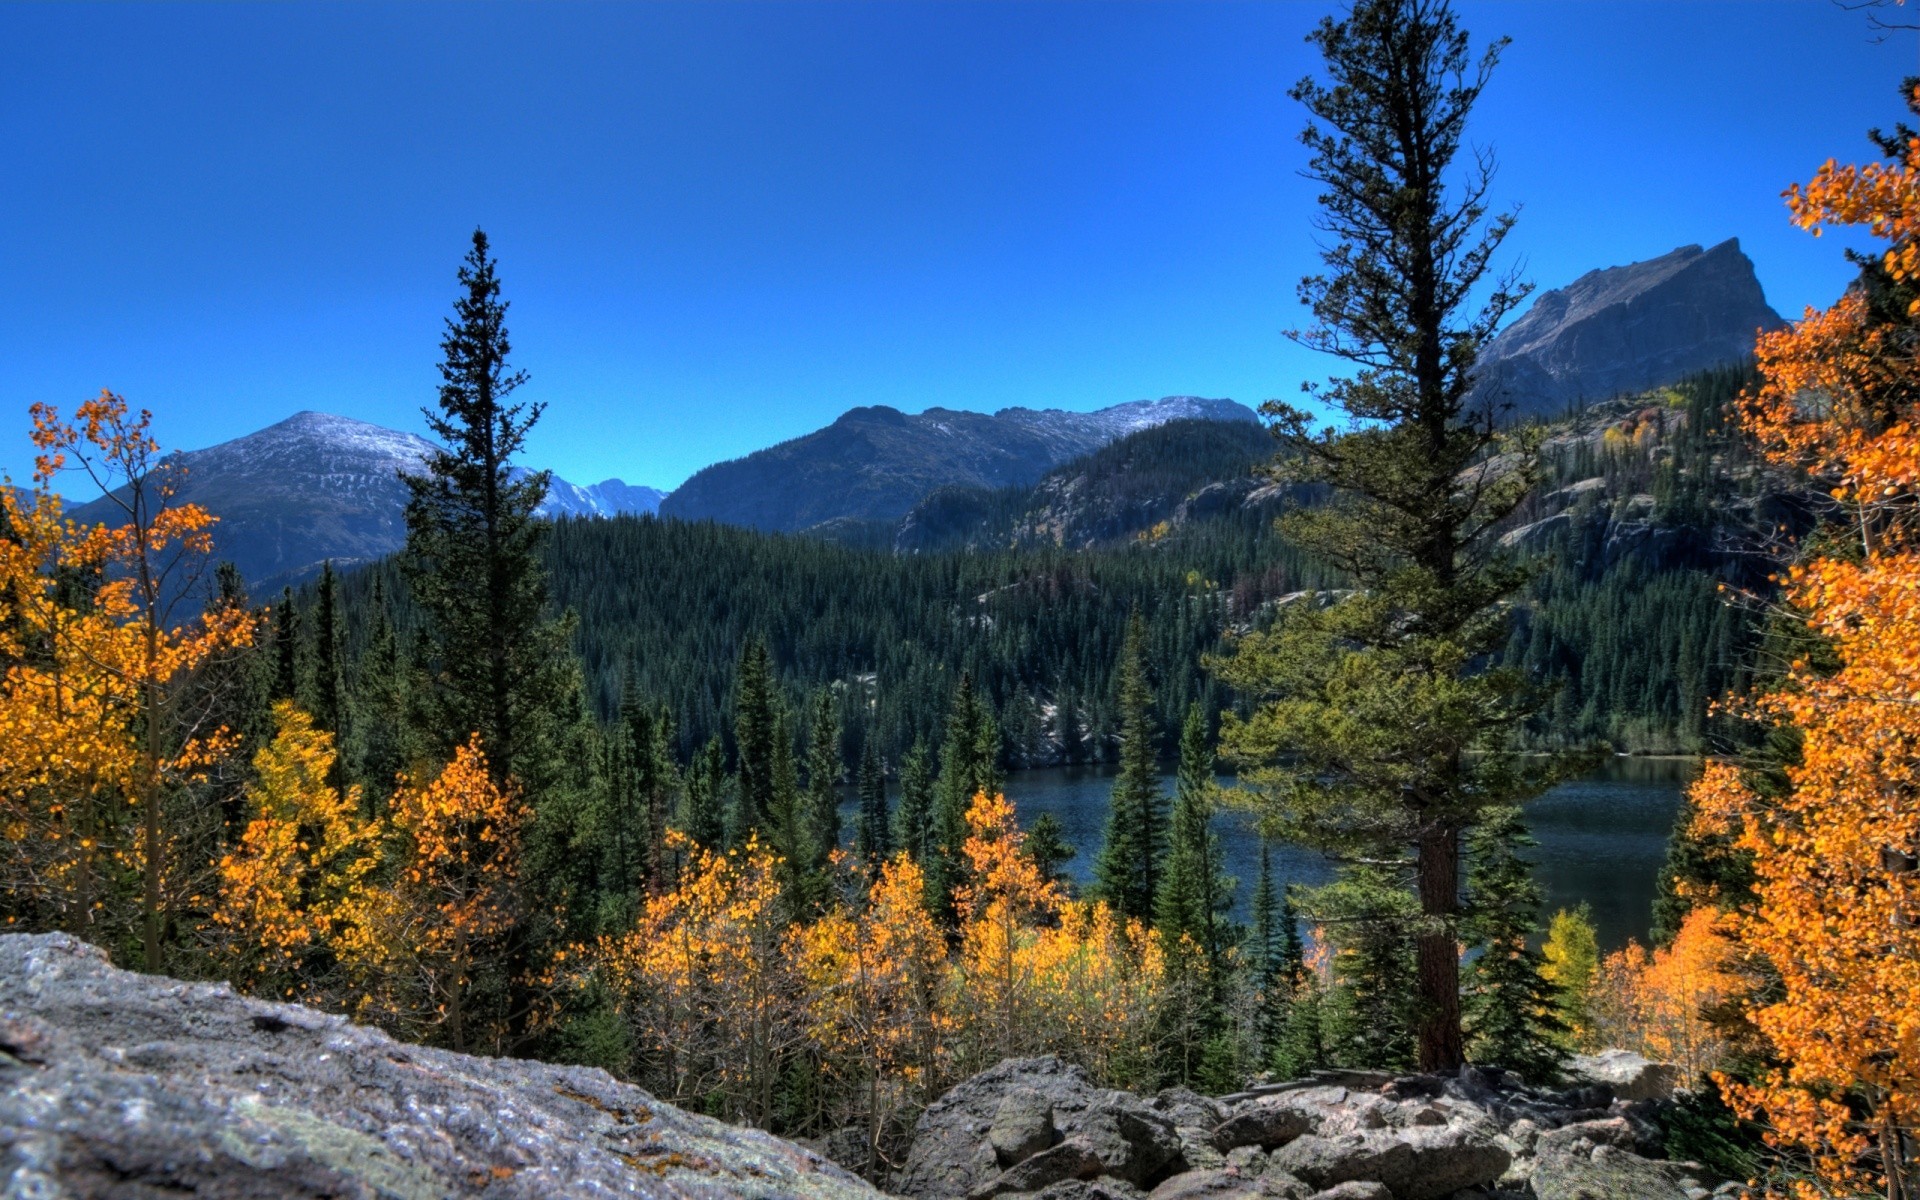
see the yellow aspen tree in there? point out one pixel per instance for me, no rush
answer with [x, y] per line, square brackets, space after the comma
[1834, 911]
[95, 653]
[869, 982]
[295, 903]
[441, 941]
[703, 980]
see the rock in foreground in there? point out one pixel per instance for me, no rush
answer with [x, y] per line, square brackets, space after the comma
[125, 1085]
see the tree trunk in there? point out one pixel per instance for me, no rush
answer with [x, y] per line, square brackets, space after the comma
[1438, 956]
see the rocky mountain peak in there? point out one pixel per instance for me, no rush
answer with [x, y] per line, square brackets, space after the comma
[1626, 329]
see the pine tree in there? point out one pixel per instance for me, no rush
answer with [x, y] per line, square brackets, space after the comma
[1512, 1012]
[968, 767]
[789, 830]
[874, 840]
[1128, 870]
[381, 699]
[913, 820]
[327, 703]
[1195, 894]
[286, 650]
[501, 668]
[753, 737]
[703, 813]
[1380, 734]
[824, 767]
[1049, 849]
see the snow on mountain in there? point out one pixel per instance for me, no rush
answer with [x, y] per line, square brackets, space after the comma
[318, 487]
[876, 463]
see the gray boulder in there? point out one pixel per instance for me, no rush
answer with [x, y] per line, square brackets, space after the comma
[1416, 1163]
[1628, 1075]
[1264, 1123]
[1022, 1126]
[117, 1084]
[953, 1155]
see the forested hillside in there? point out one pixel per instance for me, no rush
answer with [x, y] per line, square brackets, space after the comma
[1651, 508]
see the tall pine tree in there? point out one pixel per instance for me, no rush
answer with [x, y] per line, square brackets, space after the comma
[1378, 735]
[874, 839]
[1512, 1011]
[1127, 872]
[473, 554]
[1195, 895]
[753, 704]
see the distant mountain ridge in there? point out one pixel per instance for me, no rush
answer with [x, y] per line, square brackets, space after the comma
[1621, 330]
[877, 463]
[318, 487]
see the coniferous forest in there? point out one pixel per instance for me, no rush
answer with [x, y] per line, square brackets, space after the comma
[579, 790]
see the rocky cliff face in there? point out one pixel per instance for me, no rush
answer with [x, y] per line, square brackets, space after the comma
[874, 464]
[114, 1084]
[1626, 329]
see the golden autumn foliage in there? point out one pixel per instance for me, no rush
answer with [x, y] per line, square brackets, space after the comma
[296, 890]
[93, 734]
[440, 933]
[723, 999]
[1663, 1004]
[1834, 914]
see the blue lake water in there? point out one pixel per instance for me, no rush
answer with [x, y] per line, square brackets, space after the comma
[1602, 837]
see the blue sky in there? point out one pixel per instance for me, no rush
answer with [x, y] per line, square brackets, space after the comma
[722, 224]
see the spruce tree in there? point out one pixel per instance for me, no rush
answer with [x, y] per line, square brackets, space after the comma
[1049, 849]
[382, 738]
[1127, 872]
[286, 650]
[327, 703]
[1380, 734]
[1512, 1011]
[824, 767]
[967, 767]
[874, 840]
[1195, 895]
[497, 663]
[753, 737]
[703, 814]
[913, 819]
[788, 828]
[473, 554]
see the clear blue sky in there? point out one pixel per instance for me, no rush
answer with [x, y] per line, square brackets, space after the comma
[723, 224]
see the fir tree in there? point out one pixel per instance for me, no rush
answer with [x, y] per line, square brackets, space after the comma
[753, 737]
[1380, 735]
[1127, 872]
[824, 767]
[286, 650]
[327, 704]
[703, 812]
[1512, 1012]
[1049, 849]
[874, 839]
[1195, 894]
[913, 820]
[473, 553]
[500, 666]
[967, 767]
[381, 725]
[788, 829]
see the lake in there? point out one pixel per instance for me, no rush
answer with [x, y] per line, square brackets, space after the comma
[1602, 837]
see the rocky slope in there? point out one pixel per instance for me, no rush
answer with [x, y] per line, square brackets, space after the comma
[114, 1084]
[1626, 329]
[874, 464]
[316, 487]
[1040, 1128]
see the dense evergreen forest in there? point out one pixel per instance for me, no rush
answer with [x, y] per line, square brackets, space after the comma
[1650, 509]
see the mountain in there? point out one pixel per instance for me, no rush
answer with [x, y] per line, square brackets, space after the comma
[875, 464]
[316, 487]
[1627, 329]
[1182, 470]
